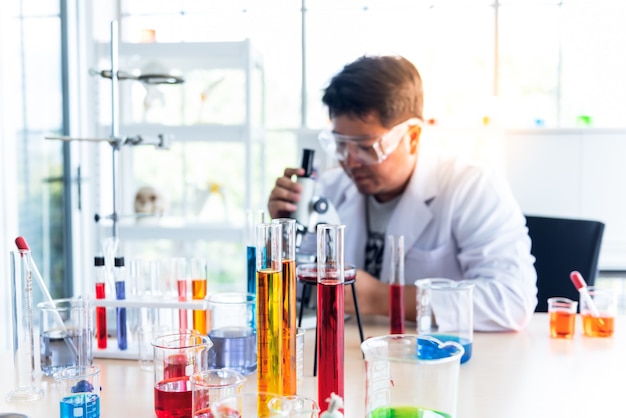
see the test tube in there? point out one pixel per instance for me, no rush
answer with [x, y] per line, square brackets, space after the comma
[396, 284]
[120, 294]
[178, 273]
[26, 388]
[198, 292]
[269, 307]
[330, 312]
[289, 327]
[253, 218]
[101, 311]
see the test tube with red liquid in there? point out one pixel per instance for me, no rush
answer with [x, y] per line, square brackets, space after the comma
[178, 273]
[289, 327]
[101, 311]
[269, 311]
[330, 312]
[396, 284]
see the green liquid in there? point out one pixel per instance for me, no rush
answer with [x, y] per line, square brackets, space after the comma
[406, 412]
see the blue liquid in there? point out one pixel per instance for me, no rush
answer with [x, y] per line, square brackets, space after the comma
[233, 348]
[122, 338]
[251, 253]
[84, 405]
[467, 345]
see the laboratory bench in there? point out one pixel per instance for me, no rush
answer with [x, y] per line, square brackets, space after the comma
[510, 375]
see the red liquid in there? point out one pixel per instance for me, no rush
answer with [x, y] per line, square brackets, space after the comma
[172, 398]
[101, 318]
[330, 348]
[289, 328]
[198, 292]
[175, 366]
[182, 296]
[269, 325]
[396, 308]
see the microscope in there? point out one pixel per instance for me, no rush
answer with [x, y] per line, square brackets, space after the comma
[310, 211]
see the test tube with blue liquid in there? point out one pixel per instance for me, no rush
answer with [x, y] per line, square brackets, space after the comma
[120, 294]
[253, 218]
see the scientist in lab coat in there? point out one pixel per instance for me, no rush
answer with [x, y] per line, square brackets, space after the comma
[459, 221]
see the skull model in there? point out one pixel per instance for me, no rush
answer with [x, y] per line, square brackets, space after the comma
[149, 201]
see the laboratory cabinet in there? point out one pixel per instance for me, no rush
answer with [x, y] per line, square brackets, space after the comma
[211, 167]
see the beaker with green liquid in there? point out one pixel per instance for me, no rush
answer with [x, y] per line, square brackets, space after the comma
[410, 376]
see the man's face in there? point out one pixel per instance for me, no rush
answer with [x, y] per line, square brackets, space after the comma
[384, 180]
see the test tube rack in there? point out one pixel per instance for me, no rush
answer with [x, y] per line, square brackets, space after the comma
[132, 353]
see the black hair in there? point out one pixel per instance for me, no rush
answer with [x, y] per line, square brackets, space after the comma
[389, 85]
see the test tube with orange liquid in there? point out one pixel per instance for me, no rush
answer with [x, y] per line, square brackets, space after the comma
[198, 292]
[289, 325]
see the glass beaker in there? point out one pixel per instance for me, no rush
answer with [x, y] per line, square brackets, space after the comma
[445, 310]
[213, 385]
[177, 357]
[65, 334]
[233, 332]
[80, 392]
[412, 376]
[293, 407]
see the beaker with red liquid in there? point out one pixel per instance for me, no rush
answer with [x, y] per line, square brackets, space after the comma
[330, 311]
[177, 356]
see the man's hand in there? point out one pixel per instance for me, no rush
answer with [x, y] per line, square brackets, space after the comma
[285, 194]
[373, 297]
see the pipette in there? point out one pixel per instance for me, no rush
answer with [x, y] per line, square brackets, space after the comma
[581, 286]
[23, 246]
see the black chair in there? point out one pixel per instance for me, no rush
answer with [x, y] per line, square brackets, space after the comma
[560, 246]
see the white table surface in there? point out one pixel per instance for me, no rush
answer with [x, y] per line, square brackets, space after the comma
[510, 375]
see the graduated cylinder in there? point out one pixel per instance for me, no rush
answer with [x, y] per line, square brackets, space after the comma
[289, 326]
[330, 312]
[269, 307]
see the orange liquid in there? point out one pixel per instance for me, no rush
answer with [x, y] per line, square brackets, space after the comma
[562, 324]
[269, 329]
[289, 327]
[198, 292]
[601, 326]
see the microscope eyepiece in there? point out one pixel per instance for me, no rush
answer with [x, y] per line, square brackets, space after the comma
[308, 156]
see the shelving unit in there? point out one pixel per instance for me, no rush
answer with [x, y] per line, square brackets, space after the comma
[238, 60]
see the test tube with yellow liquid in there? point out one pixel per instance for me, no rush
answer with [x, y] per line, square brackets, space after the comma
[269, 311]
[289, 326]
[199, 292]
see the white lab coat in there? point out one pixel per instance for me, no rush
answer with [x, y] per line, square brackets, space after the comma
[459, 222]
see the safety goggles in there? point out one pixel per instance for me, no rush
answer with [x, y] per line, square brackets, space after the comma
[365, 149]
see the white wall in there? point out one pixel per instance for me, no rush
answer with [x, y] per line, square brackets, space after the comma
[575, 173]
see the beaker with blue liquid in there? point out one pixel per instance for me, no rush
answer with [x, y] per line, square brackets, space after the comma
[445, 310]
[80, 392]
